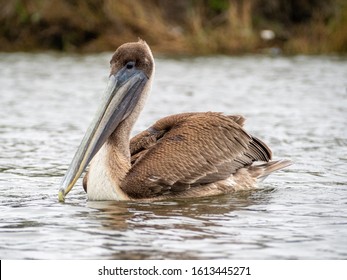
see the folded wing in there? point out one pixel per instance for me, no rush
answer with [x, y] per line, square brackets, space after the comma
[189, 150]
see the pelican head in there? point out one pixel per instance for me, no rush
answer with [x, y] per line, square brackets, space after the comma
[132, 68]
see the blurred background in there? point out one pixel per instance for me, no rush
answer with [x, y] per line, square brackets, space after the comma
[176, 27]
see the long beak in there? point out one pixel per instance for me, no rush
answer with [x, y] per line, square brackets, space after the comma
[122, 93]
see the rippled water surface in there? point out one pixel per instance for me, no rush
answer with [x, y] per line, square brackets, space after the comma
[298, 105]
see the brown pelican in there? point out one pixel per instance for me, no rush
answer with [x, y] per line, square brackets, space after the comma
[183, 155]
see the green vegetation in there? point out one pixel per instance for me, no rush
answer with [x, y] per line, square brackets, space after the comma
[175, 27]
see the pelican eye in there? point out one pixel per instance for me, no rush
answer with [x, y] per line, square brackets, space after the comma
[130, 65]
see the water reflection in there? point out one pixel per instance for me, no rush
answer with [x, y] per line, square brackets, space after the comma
[142, 226]
[120, 215]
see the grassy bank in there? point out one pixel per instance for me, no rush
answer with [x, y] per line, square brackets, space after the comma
[175, 27]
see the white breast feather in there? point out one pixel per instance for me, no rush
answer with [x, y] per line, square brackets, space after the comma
[99, 185]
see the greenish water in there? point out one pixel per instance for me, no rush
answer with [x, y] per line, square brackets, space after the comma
[298, 105]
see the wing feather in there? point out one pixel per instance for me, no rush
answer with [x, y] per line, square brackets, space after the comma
[188, 150]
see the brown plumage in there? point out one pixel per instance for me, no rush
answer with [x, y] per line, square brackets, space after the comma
[192, 154]
[183, 155]
[191, 151]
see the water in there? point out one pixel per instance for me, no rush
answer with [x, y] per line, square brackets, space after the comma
[298, 105]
